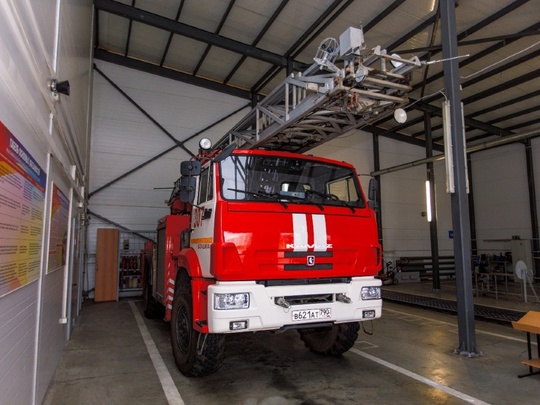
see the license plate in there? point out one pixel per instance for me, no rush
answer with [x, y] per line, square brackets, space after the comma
[308, 314]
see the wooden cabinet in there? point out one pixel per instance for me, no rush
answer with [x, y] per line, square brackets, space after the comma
[107, 243]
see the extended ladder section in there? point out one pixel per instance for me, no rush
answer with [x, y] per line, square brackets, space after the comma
[326, 101]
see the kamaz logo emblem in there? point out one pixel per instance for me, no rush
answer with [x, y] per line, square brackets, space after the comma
[310, 260]
[308, 246]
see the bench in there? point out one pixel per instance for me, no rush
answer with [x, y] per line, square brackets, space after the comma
[424, 266]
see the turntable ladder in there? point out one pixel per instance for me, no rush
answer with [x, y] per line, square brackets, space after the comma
[311, 108]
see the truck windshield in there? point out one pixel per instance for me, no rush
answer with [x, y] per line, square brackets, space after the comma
[272, 178]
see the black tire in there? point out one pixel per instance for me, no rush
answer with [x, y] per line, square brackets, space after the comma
[186, 341]
[331, 341]
[152, 308]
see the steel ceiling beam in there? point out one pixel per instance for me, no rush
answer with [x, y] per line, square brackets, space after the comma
[171, 35]
[480, 55]
[391, 134]
[471, 42]
[154, 20]
[170, 74]
[470, 122]
[382, 15]
[416, 30]
[218, 30]
[482, 24]
[492, 122]
[265, 29]
[505, 103]
[296, 47]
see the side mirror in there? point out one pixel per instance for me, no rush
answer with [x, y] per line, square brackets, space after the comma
[373, 190]
[190, 168]
[187, 189]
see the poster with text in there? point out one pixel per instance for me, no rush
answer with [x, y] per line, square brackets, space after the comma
[59, 229]
[22, 201]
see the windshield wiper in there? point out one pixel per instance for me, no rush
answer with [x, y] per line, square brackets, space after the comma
[296, 198]
[263, 194]
[331, 197]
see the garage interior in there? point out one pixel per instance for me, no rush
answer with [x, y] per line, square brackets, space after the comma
[103, 99]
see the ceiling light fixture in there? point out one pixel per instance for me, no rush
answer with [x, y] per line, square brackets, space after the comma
[400, 115]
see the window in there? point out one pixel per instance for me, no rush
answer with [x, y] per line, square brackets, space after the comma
[205, 185]
[344, 189]
[290, 180]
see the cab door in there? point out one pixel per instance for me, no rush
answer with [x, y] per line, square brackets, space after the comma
[203, 218]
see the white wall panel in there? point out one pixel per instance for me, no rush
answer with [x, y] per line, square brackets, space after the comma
[500, 196]
[52, 334]
[355, 148]
[74, 64]
[535, 144]
[18, 313]
[405, 231]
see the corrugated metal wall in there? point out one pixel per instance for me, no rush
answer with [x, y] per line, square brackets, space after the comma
[39, 41]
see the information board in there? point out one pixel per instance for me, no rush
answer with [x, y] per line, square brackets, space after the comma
[22, 200]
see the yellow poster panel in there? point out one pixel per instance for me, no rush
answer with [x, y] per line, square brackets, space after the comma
[59, 230]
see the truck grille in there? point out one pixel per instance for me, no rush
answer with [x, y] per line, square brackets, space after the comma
[305, 281]
[307, 299]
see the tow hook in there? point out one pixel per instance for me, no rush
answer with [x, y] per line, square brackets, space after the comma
[282, 302]
[343, 298]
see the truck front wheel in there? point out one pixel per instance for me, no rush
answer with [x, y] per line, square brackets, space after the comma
[196, 354]
[331, 341]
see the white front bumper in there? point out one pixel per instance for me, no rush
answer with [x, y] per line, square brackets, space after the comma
[264, 314]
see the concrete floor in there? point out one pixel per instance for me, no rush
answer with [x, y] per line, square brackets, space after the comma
[408, 359]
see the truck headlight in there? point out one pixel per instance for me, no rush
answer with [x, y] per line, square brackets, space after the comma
[231, 301]
[371, 293]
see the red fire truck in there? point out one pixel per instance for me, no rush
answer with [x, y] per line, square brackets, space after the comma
[263, 237]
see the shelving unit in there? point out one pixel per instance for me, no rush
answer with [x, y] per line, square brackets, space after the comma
[129, 263]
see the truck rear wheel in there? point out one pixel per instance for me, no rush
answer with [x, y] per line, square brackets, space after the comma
[331, 341]
[196, 354]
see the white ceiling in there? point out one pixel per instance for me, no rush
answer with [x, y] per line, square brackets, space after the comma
[243, 47]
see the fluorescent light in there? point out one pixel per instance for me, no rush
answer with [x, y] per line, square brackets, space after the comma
[428, 200]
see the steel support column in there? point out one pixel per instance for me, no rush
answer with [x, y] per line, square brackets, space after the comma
[377, 167]
[472, 215]
[532, 206]
[460, 207]
[434, 241]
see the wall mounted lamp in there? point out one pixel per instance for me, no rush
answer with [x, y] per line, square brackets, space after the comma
[59, 87]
